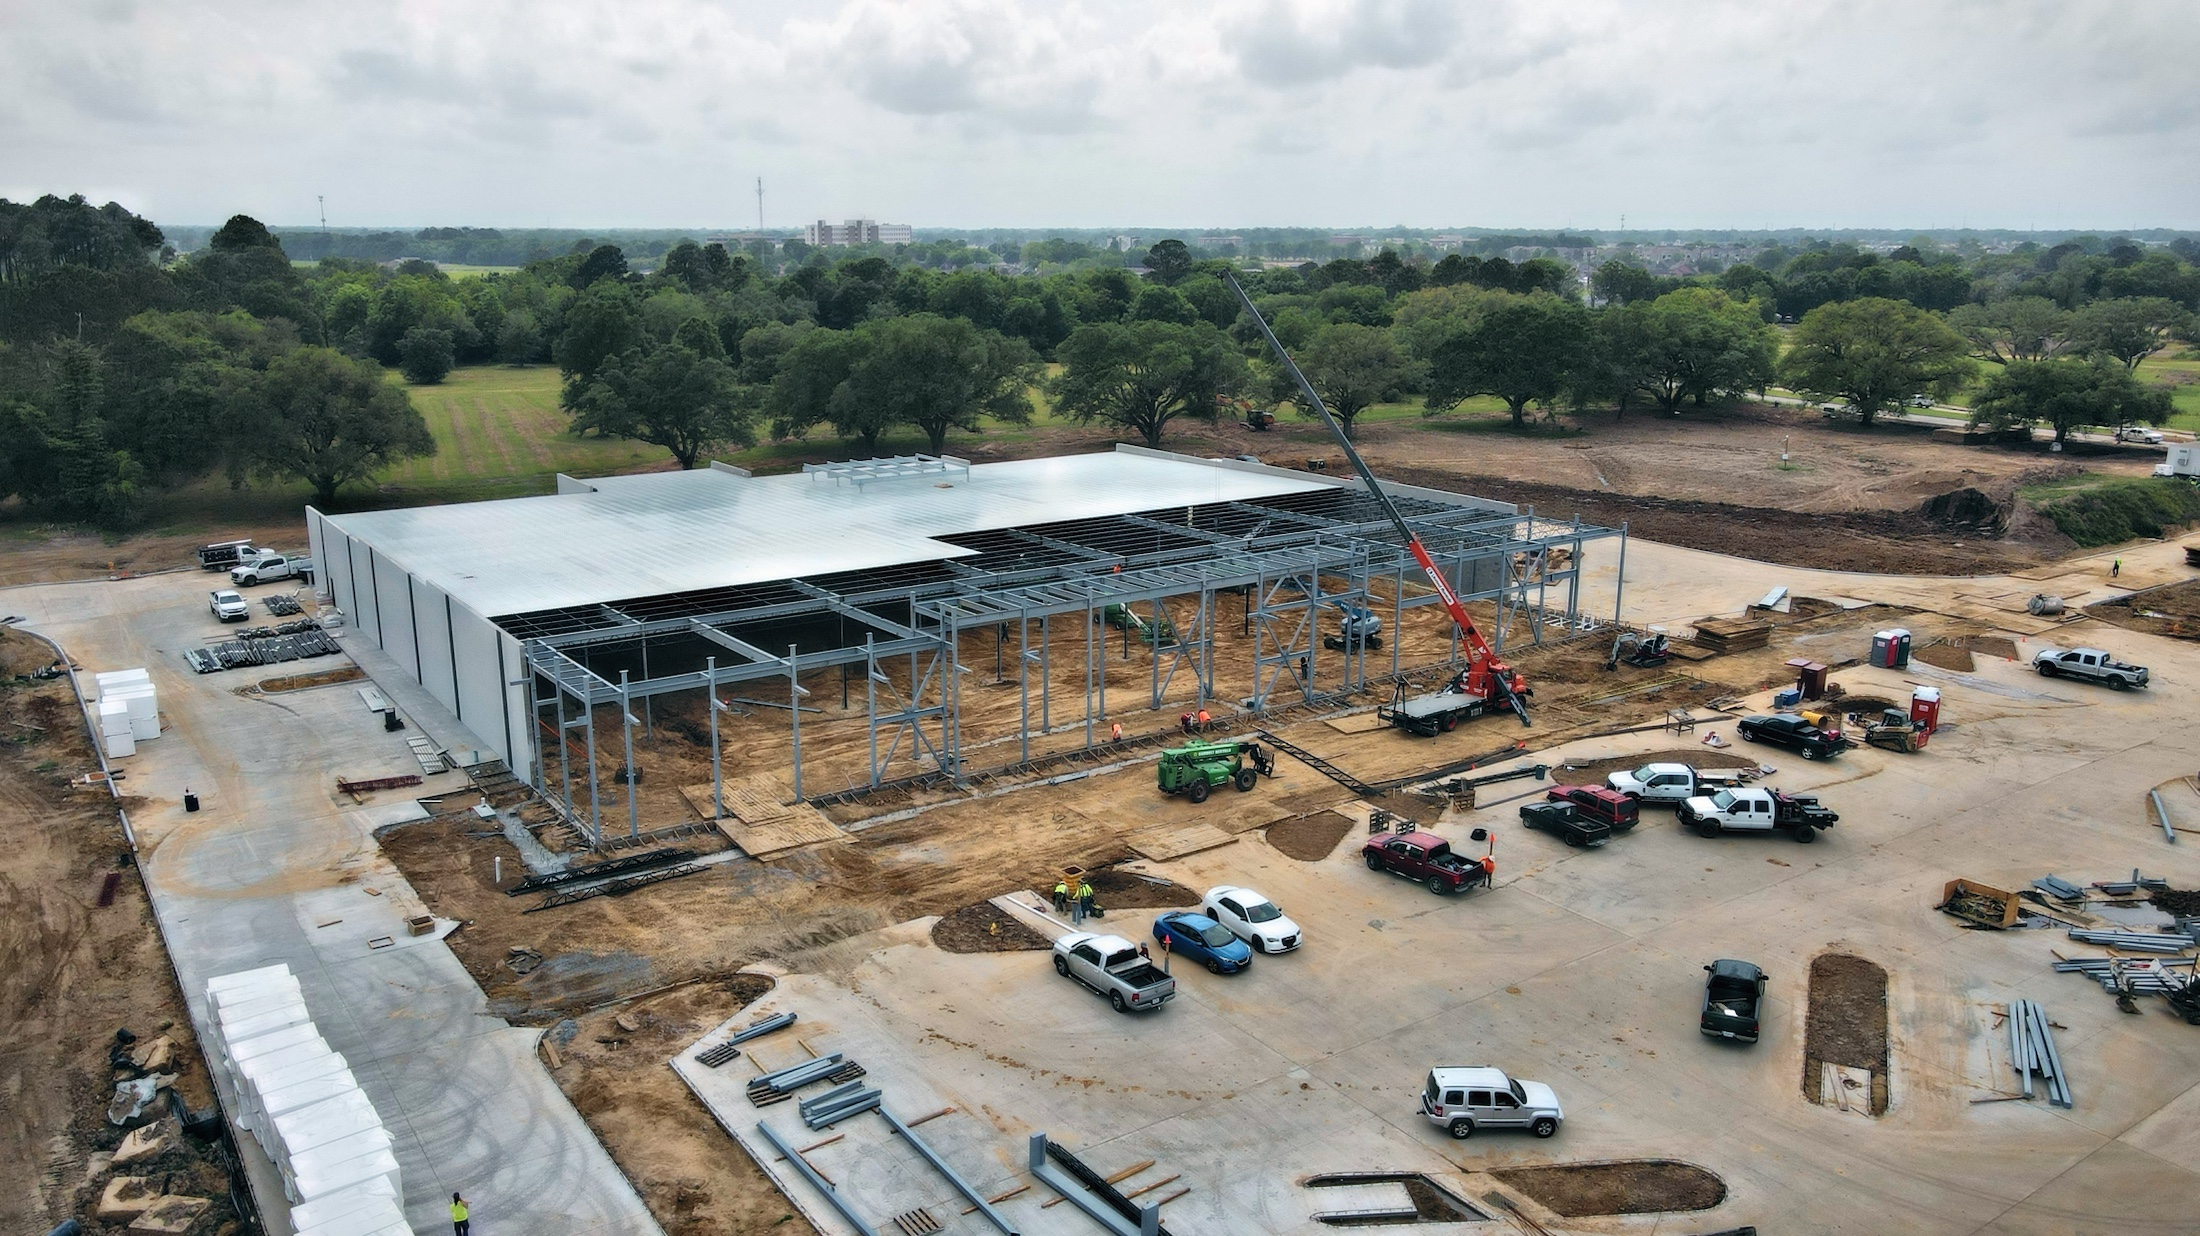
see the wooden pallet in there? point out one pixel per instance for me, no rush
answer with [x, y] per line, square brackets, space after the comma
[793, 833]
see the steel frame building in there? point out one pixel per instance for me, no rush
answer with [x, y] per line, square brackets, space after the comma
[1280, 560]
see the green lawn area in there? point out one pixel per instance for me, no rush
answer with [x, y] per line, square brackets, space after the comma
[2182, 376]
[499, 432]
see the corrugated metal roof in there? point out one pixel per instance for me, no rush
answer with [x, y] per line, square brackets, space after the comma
[668, 532]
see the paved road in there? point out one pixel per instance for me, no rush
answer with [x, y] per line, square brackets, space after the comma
[1913, 417]
[277, 867]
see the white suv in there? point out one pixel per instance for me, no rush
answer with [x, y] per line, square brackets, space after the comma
[1465, 1099]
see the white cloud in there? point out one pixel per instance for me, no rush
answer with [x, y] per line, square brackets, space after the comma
[1133, 112]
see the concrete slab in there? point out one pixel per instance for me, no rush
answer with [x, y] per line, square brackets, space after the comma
[278, 867]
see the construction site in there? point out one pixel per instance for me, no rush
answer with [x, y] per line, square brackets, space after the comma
[917, 845]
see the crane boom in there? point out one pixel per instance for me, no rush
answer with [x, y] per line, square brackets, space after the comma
[1486, 676]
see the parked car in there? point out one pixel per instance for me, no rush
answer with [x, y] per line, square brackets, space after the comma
[2139, 434]
[1111, 966]
[1565, 822]
[1203, 940]
[1427, 859]
[1731, 998]
[1921, 401]
[1671, 785]
[264, 568]
[228, 605]
[1610, 807]
[1785, 729]
[2088, 663]
[1756, 811]
[1251, 918]
[1462, 1100]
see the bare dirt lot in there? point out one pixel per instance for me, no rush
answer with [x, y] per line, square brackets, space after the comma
[1630, 1187]
[73, 971]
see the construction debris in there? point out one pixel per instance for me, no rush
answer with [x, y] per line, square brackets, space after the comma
[1981, 904]
[2127, 888]
[837, 1104]
[713, 1057]
[369, 784]
[617, 866]
[2132, 941]
[2032, 1048]
[613, 888]
[2059, 888]
[780, 1086]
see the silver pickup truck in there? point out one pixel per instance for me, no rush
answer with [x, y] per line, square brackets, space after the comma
[1112, 966]
[2089, 663]
[1672, 784]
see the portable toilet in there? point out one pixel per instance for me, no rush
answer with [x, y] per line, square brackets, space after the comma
[1891, 648]
[1925, 708]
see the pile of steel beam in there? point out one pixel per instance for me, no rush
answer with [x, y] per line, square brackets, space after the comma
[780, 1086]
[2059, 888]
[2136, 977]
[839, 1103]
[2032, 1047]
[2133, 941]
[2125, 888]
[712, 1057]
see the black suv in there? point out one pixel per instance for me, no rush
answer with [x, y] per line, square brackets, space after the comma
[1785, 729]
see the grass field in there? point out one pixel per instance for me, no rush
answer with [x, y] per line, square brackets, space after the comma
[2182, 376]
[499, 433]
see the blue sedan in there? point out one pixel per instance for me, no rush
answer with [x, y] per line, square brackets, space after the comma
[1203, 940]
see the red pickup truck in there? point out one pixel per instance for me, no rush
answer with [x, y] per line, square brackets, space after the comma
[1428, 859]
[1610, 807]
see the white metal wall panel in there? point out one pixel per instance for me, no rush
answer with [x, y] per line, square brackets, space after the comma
[393, 602]
[518, 742]
[317, 545]
[431, 614]
[365, 614]
[480, 683]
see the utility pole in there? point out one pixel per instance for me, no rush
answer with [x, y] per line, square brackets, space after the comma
[760, 203]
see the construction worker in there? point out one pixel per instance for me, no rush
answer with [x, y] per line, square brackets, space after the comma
[1206, 720]
[1061, 896]
[1084, 900]
[1115, 732]
[461, 1224]
[2115, 568]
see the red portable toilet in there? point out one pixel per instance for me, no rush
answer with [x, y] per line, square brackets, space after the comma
[1925, 710]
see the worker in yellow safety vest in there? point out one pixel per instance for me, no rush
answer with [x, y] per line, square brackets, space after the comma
[1061, 896]
[461, 1225]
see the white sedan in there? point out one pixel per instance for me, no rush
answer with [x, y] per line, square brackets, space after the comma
[1251, 918]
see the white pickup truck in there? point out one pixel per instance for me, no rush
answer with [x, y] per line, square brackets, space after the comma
[1756, 811]
[1112, 966]
[228, 606]
[1671, 785]
[2089, 663]
[266, 568]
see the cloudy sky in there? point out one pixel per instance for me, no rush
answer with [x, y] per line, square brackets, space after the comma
[1092, 113]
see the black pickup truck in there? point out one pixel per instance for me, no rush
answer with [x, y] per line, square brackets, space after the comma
[1731, 998]
[1565, 822]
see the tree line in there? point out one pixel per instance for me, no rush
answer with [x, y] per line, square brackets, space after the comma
[126, 368]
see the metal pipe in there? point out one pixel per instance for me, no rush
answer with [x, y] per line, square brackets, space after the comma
[626, 731]
[817, 1182]
[794, 710]
[2162, 813]
[971, 1195]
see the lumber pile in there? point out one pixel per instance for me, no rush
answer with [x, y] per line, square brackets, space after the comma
[1722, 635]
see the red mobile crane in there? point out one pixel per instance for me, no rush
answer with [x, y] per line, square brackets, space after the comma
[1487, 682]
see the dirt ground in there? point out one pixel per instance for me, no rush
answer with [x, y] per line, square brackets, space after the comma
[72, 971]
[1311, 838]
[2172, 611]
[1629, 1187]
[1847, 1024]
[1593, 772]
[612, 1068]
[985, 928]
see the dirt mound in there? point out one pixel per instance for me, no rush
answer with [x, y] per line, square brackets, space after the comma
[1945, 656]
[1625, 1187]
[985, 928]
[1969, 509]
[1116, 889]
[1847, 1024]
[1310, 839]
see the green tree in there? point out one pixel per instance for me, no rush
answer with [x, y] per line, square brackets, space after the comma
[1352, 367]
[520, 341]
[425, 355]
[1615, 364]
[1624, 283]
[330, 420]
[1146, 374]
[1875, 353]
[600, 324]
[2128, 330]
[668, 396]
[1170, 261]
[1699, 344]
[1520, 348]
[809, 375]
[940, 374]
[2068, 394]
[2026, 328]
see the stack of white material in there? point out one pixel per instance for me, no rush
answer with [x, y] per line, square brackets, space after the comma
[129, 710]
[299, 1100]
